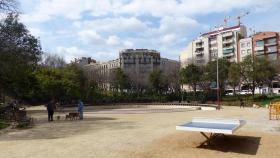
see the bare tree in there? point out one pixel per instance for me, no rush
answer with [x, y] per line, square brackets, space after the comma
[172, 76]
[8, 6]
[53, 60]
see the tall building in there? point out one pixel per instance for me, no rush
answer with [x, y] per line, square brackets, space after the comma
[136, 63]
[186, 56]
[245, 47]
[267, 44]
[139, 63]
[222, 43]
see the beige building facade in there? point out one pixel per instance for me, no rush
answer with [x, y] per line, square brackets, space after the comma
[138, 64]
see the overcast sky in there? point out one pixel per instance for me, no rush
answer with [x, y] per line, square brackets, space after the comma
[100, 28]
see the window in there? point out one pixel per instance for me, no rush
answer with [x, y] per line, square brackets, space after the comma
[248, 44]
[242, 45]
[259, 43]
[271, 41]
[243, 52]
[272, 49]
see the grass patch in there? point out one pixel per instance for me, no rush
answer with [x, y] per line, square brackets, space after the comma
[4, 124]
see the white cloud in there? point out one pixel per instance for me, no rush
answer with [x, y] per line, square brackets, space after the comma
[105, 26]
[113, 40]
[128, 44]
[169, 38]
[70, 53]
[36, 32]
[160, 8]
[116, 24]
[73, 9]
[90, 36]
[177, 24]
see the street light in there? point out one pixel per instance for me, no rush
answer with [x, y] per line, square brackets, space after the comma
[218, 86]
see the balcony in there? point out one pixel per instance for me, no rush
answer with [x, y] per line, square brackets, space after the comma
[228, 55]
[228, 41]
[228, 34]
[199, 49]
[199, 43]
[213, 41]
[198, 46]
[227, 51]
[259, 48]
[214, 48]
[259, 53]
[199, 53]
[228, 47]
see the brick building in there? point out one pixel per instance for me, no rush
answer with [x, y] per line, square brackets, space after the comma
[267, 44]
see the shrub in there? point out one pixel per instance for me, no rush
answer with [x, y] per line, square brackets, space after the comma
[4, 124]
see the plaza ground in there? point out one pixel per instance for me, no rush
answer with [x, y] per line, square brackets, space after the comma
[140, 133]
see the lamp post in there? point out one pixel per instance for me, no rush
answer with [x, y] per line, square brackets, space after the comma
[218, 86]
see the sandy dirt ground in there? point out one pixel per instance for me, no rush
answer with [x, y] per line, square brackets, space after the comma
[128, 133]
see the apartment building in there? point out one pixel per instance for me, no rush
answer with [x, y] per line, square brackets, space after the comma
[267, 44]
[222, 43]
[100, 72]
[136, 63]
[84, 61]
[245, 48]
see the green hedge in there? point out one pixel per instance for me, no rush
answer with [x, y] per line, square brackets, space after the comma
[259, 98]
[4, 124]
[201, 97]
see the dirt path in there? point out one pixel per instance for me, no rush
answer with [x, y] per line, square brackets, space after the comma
[151, 134]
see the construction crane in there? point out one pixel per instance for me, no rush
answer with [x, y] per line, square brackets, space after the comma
[226, 19]
[238, 18]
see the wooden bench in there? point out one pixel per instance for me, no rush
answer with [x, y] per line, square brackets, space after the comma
[274, 110]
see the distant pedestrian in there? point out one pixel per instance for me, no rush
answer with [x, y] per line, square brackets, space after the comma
[242, 103]
[50, 108]
[81, 109]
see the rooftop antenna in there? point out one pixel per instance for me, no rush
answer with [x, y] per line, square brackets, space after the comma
[238, 18]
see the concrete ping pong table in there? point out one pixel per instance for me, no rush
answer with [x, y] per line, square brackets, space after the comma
[215, 127]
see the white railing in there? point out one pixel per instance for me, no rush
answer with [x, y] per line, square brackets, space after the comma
[227, 34]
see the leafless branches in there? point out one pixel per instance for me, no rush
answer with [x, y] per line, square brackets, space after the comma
[8, 6]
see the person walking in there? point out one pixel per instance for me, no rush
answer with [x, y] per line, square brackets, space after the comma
[241, 102]
[81, 109]
[50, 108]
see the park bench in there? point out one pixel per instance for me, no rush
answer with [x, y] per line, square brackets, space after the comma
[274, 110]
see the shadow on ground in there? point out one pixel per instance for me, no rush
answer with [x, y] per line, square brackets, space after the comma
[186, 144]
[234, 143]
[65, 128]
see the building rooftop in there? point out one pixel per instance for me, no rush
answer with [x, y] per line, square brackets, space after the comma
[138, 50]
[221, 30]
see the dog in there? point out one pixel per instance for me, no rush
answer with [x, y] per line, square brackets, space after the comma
[57, 118]
[72, 116]
[67, 117]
